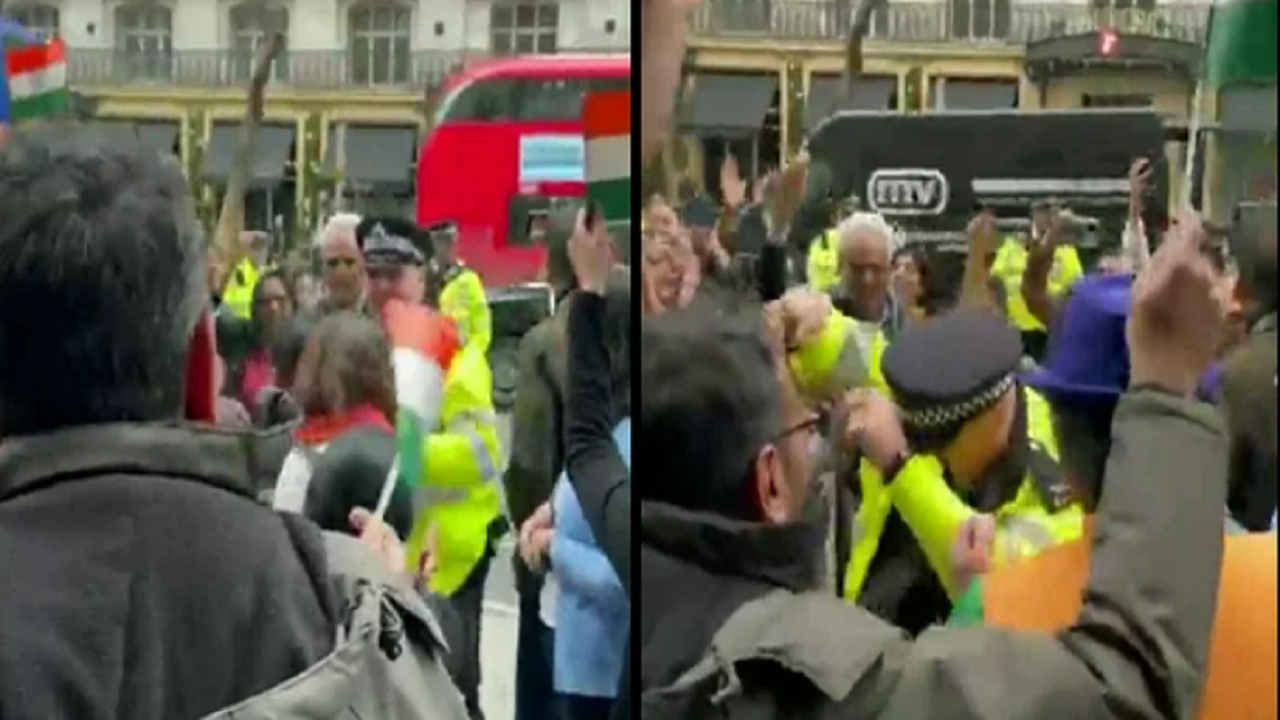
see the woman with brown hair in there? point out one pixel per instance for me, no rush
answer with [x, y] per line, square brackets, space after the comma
[346, 442]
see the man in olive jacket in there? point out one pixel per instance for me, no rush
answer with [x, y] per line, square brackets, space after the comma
[732, 624]
[537, 457]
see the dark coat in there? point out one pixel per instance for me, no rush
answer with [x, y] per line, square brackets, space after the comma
[1249, 402]
[141, 580]
[728, 628]
[537, 435]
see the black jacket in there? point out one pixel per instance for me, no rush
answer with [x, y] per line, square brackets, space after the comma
[141, 580]
[592, 461]
[699, 568]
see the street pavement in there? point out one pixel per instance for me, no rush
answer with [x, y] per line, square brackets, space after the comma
[498, 627]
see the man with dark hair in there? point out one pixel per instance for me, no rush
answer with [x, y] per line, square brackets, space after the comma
[140, 578]
[731, 541]
[1249, 376]
[536, 460]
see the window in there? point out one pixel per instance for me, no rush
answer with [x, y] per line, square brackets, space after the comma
[380, 44]
[512, 99]
[144, 37]
[523, 27]
[1128, 16]
[249, 27]
[43, 20]
[980, 19]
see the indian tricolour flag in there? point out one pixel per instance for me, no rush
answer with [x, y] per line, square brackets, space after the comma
[1241, 44]
[606, 120]
[35, 82]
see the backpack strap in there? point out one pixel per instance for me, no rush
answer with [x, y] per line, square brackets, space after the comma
[828, 642]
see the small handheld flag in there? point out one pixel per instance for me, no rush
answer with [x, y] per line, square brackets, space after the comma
[606, 120]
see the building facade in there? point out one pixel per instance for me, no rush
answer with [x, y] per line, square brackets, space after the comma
[175, 72]
[761, 73]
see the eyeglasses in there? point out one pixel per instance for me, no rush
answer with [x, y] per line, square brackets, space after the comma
[808, 425]
[334, 263]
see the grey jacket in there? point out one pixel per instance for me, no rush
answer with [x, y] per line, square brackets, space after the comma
[1137, 650]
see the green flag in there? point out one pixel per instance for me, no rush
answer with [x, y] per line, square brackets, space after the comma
[1241, 46]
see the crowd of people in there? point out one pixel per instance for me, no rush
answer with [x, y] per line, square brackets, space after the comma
[1048, 494]
[1044, 493]
[330, 459]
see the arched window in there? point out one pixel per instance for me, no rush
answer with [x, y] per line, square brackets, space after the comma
[43, 20]
[981, 19]
[524, 27]
[249, 27]
[379, 41]
[144, 39]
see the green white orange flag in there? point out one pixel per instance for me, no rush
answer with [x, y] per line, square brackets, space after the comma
[423, 346]
[36, 79]
[606, 120]
[1241, 44]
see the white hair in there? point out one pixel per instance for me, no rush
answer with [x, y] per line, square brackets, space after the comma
[862, 222]
[339, 223]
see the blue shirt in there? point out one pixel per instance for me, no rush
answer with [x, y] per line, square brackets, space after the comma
[592, 612]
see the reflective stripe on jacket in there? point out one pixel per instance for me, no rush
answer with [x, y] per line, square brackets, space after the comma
[463, 299]
[458, 493]
[822, 267]
[935, 514]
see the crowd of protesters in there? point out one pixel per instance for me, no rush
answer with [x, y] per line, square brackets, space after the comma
[327, 462]
[1049, 498]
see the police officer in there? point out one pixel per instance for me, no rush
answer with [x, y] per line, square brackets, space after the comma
[237, 296]
[980, 442]
[1011, 262]
[458, 494]
[461, 294]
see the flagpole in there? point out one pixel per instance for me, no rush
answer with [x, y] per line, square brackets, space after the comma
[1197, 110]
[1193, 139]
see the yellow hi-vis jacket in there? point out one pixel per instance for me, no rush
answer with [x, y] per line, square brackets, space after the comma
[831, 363]
[1025, 525]
[459, 491]
[463, 299]
[822, 267]
[1007, 269]
[237, 296]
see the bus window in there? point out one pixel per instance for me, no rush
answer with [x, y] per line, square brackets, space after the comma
[484, 101]
[507, 99]
[561, 99]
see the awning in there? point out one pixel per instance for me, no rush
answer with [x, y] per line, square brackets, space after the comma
[826, 91]
[378, 156]
[962, 94]
[724, 104]
[156, 134]
[269, 156]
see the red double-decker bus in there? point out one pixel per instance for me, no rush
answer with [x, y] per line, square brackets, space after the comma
[504, 148]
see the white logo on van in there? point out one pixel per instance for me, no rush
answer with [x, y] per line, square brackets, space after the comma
[908, 192]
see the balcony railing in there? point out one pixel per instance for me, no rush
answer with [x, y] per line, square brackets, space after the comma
[1000, 22]
[320, 70]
